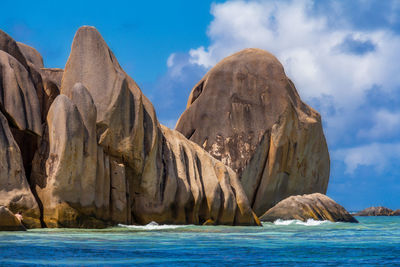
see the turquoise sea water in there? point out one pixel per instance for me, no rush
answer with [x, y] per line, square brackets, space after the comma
[374, 241]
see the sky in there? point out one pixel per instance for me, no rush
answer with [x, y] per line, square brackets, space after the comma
[343, 57]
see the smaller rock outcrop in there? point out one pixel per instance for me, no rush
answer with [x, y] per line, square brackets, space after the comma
[396, 213]
[9, 222]
[375, 211]
[314, 206]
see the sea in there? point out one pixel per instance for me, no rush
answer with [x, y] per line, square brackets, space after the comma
[375, 241]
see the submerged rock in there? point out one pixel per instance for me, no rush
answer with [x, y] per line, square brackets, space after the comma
[9, 222]
[247, 113]
[375, 211]
[314, 206]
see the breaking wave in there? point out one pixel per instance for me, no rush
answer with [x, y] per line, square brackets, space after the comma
[309, 222]
[152, 226]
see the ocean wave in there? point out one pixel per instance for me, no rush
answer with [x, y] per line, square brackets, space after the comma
[151, 226]
[309, 222]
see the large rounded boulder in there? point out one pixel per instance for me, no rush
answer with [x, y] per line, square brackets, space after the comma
[247, 113]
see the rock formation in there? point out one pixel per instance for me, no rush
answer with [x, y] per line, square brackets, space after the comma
[82, 147]
[9, 222]
[315, 206]
[110, 161]
[375, 211]
[248, 114]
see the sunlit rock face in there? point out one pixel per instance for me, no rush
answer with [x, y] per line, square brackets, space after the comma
[109, 160]
[247, 113]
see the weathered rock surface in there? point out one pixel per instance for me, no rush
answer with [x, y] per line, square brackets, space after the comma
[9, 222]
[110, 161]
[51, 81]
[375, 211]
[15, 193]
[314, 206]
[31, 61]
[18, 98]
[31, 55]
[248, 114]
[203, 188]
[53, 75]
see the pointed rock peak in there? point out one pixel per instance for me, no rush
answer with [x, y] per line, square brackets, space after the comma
[88, 34]
[8, 45]
[93, 64]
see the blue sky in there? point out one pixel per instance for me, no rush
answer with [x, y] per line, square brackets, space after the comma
[342, 55]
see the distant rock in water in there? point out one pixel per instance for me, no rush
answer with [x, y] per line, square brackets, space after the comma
[375, 211]
[396, 213]
[9, 222]
[315, 206]
[247, 113]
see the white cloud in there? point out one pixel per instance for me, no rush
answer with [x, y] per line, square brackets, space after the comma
[170, 60]
[377, 155]
[386, 124]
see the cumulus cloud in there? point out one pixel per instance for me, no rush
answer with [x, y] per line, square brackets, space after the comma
[385, 124]
[376, 155]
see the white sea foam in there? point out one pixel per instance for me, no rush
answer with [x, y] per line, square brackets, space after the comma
[151, 226]
[309, 222]
[284, 222]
